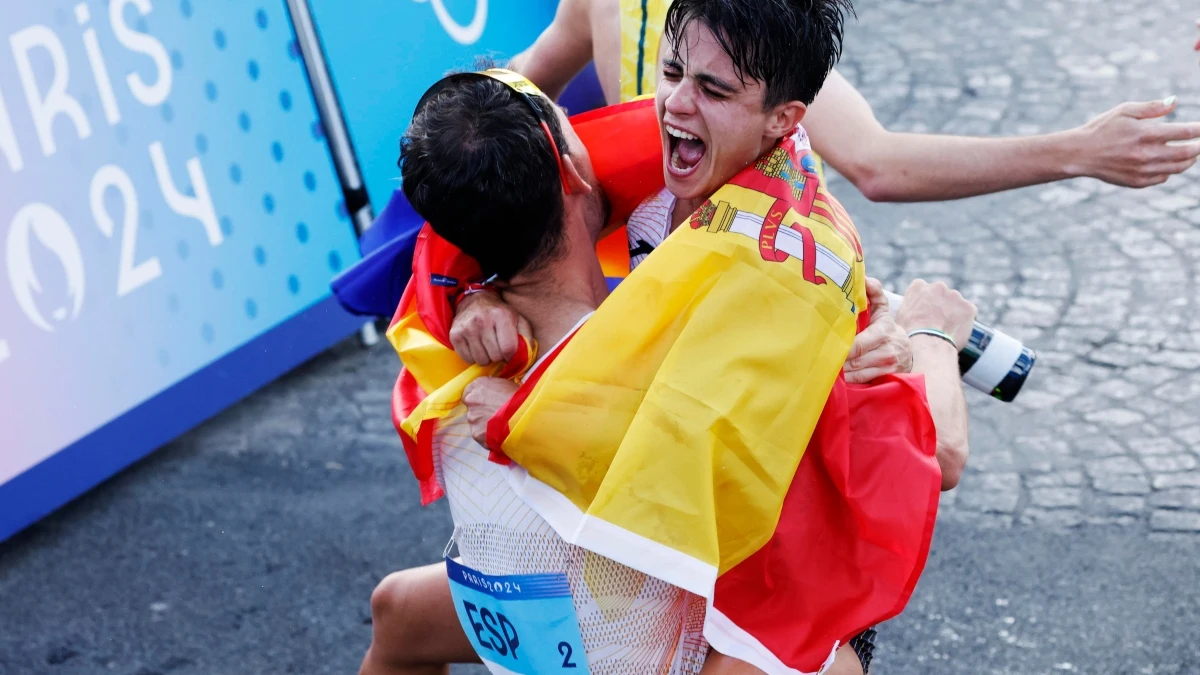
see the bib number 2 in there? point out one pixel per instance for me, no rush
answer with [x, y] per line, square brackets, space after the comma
[564, 648]
[520, 624]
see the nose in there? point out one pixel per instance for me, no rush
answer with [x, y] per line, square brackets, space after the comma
[681, 99]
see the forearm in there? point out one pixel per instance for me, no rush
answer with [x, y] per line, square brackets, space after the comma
[937, 360]
[890, 166]
[560, 52]
[903, 167]
[551, 76]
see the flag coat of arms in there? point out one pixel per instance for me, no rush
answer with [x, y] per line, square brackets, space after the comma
[697, 427]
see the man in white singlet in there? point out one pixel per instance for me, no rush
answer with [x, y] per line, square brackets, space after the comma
[539, 235]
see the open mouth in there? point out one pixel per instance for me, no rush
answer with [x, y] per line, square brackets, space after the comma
[686, 152]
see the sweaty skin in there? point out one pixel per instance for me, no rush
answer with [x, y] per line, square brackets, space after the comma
[1127, 146]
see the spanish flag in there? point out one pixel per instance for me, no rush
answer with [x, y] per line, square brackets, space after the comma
[697, 427]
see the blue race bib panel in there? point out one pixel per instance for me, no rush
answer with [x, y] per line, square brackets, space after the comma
[522, 624]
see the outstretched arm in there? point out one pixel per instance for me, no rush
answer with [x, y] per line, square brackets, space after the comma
[1125, 146]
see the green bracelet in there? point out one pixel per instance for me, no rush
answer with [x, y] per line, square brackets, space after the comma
[936, 333]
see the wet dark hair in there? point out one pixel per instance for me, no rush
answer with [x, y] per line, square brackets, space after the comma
[476, 164]
[789, 45]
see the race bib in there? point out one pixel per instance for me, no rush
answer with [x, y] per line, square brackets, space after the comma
[522, 624]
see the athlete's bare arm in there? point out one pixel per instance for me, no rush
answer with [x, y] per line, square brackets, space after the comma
[581, 30]
[1126, 146]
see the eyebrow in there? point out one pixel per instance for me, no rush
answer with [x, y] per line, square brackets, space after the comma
[706, 78]
[716, 82]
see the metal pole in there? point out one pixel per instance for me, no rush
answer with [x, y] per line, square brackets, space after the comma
[336, 134]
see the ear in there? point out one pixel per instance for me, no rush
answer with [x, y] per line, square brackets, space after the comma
[577, 183]
[784, 118]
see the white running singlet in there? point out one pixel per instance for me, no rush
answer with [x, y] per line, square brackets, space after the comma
[631, 623]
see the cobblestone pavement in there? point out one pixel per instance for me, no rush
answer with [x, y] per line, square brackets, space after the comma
[1100, 281]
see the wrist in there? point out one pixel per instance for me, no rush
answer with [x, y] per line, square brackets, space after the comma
[936, 335]
[930, 353]
[1067, 152]
[473, 293]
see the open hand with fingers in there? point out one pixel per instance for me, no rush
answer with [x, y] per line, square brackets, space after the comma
[1129, 145]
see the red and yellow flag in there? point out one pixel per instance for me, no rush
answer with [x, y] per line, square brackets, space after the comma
[697, 427]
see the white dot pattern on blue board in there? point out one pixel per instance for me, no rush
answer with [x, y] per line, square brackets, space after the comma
[232, 87]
